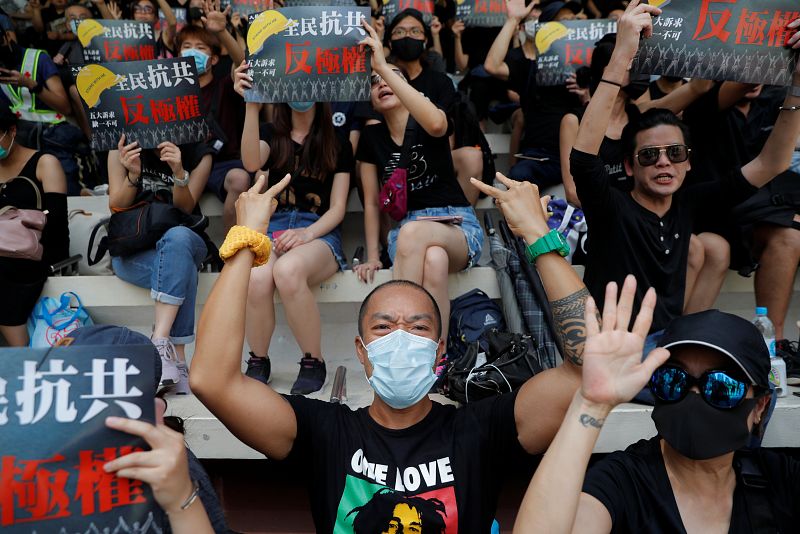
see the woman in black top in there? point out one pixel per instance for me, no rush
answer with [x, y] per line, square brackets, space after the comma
[307, 243]
[21, 281]
[422, 251]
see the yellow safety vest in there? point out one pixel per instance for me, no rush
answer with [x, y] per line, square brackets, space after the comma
[23, 102]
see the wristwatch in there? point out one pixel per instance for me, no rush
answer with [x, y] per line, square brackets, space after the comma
[549, 242]
[181, 182]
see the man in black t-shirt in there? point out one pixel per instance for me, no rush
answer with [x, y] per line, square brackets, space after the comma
[430, 463]
[646, 232]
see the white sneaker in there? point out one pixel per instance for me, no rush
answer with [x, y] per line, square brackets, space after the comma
[169, 361]
[182, 386]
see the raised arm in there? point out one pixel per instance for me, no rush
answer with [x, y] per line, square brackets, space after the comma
[566, 292]
[776, 155]
[216, 21]
[216, 375]
[168, 32]
[495, 62]
[462, 59]
[432, 119]
[636, 21]
[681, 98]
[255, 152]
[613, 372]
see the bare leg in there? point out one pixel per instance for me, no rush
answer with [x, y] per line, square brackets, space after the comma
[414, 256]
[294, 273]
[15, 336]
[237, 181]
[712, 275]
[775, 275]
[468, 162]
[260, 319]
[695, 261]
[165, 316]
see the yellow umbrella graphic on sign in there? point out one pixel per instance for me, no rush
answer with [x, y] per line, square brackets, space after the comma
[549, 33]
[92, 80]
[265, 25]
[88, 30]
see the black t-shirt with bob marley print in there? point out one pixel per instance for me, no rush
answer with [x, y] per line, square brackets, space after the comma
[441, 475]
[305, 193]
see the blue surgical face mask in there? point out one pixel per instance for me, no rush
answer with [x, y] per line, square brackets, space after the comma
[301, 107]
[4, 152]
[402, 367]
[201, 59]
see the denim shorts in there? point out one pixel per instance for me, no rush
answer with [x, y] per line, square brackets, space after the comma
[287, 219]
[473, 231]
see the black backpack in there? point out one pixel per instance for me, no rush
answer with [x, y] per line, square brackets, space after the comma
[471, 315]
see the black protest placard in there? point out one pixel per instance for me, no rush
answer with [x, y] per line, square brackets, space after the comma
[563, 47]
[393, 7]
[148, 101]
[484, 13]
[302, 54]
[248, 7]
[738, 40]
[115, 40]
[303, 3]
[53, 405]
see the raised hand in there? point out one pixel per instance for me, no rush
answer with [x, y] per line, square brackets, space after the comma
[524, 211]
[458, 28]
[242, 79]
[517, 10]
[635, 23]
[378, 59]
[254, 208]
[613, 370]
[214, 19]
[165, 468]
[436, 26]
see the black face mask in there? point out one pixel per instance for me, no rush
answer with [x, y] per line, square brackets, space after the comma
[408, 48]
[699, 431]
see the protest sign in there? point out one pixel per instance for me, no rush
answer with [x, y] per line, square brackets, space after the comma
[563, 47]
[148, 101]
[115, 40]
[302, 3]
[738, 40]
[393, 7]
[248, 7]
[53, 405]
[484, 13]
[302, 54]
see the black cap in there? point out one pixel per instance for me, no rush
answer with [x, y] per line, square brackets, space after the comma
[106, 334]
[736, 338]
[550, 10]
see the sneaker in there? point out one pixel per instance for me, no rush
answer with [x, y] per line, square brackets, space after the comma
[311, 377]
[169, 361]
[182, 386]
[788, 350]
[259, 368]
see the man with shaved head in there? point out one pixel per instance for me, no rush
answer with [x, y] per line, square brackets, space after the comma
[403, 442]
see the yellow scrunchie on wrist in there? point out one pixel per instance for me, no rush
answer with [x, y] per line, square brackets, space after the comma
[240, 237]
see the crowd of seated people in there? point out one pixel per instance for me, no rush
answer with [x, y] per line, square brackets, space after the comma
[678, 180]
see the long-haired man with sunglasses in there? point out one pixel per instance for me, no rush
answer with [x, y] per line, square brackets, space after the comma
[647, 232]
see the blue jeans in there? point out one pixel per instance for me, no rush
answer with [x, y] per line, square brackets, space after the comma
[473, 231]
[542, 173]
[170, 271]
[288, 219]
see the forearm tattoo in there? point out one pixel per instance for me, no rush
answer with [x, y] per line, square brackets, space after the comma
[570, 324]
[587, 421]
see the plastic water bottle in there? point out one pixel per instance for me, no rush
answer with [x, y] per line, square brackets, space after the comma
[777, 373]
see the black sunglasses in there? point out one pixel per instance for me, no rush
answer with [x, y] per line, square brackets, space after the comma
[719, 389]
[675, 153]
[375, 79]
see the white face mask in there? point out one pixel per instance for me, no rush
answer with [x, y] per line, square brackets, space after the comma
[402, 367]
[530, 28]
